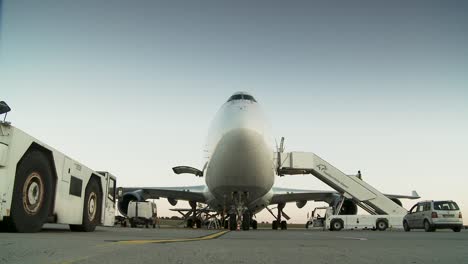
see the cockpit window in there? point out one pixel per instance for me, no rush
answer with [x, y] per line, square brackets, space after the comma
[249, 97]
[241, 97]
[235, 97]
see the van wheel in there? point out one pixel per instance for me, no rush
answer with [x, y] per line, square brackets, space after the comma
[32, 194]
[91, 208]
[428, 227]
[406, 226]
[456, 229]
[381, 225]
[336, 225]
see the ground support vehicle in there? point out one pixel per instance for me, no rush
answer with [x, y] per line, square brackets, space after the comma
[333, 222]
[142, 213]
[432, 215]
[40, 184]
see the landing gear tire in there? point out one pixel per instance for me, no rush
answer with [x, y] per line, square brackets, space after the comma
[198, 223]
[336, 225]
[274, 225]
[428, 227]
[232, 222]
[381, 225]
[246, 221]
[32, 194]
[91, 208]
[190, 223]
[254, 224]
[284, 225]
[406, 226]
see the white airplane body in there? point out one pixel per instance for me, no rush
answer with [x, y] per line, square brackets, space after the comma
[241, 156]
[240, 170]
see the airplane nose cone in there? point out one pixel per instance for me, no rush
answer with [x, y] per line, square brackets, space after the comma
[244, 160]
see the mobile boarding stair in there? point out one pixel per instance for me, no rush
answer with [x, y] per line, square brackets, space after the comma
[350, 186]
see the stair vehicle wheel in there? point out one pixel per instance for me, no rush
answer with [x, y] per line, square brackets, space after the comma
[336, 225]
[32, 195]
[274, 225]
[284, 225]
[381, 225]
[91, 208]
[406, 226]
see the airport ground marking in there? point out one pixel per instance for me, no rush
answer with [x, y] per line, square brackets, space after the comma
[173, 240]
[355, 238]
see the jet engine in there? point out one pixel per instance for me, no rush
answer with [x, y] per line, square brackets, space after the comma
[397, 201]
[301, 204]
[172, 201]
[126, 198]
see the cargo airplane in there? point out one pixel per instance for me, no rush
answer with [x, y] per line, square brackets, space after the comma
[239, 172]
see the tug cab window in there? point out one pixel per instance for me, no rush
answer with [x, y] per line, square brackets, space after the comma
[241, 97]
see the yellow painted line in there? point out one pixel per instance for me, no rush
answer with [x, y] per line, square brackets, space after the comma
[139, 242]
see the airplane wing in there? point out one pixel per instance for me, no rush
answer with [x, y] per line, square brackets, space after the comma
[414, 195]
[187, 193]
[286, 195]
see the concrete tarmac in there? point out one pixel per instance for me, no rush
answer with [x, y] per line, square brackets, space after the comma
[56, 244]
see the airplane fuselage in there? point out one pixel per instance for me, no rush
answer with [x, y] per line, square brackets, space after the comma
[240, 166]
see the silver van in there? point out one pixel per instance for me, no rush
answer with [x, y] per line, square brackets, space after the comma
[432, 215]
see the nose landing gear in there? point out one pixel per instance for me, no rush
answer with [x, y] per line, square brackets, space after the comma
[239, 215]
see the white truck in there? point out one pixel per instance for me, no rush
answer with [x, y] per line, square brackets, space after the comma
[142, 213]
[39, 184]
[330, 221]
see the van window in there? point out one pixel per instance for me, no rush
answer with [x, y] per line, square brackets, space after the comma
[420, 208]
[111, 193]
[446, 205]
[427, 206]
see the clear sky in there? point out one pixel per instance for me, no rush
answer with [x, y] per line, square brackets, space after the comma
[131, 86]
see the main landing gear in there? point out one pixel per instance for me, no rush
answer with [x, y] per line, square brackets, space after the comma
[194, 220]
[279, 223]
